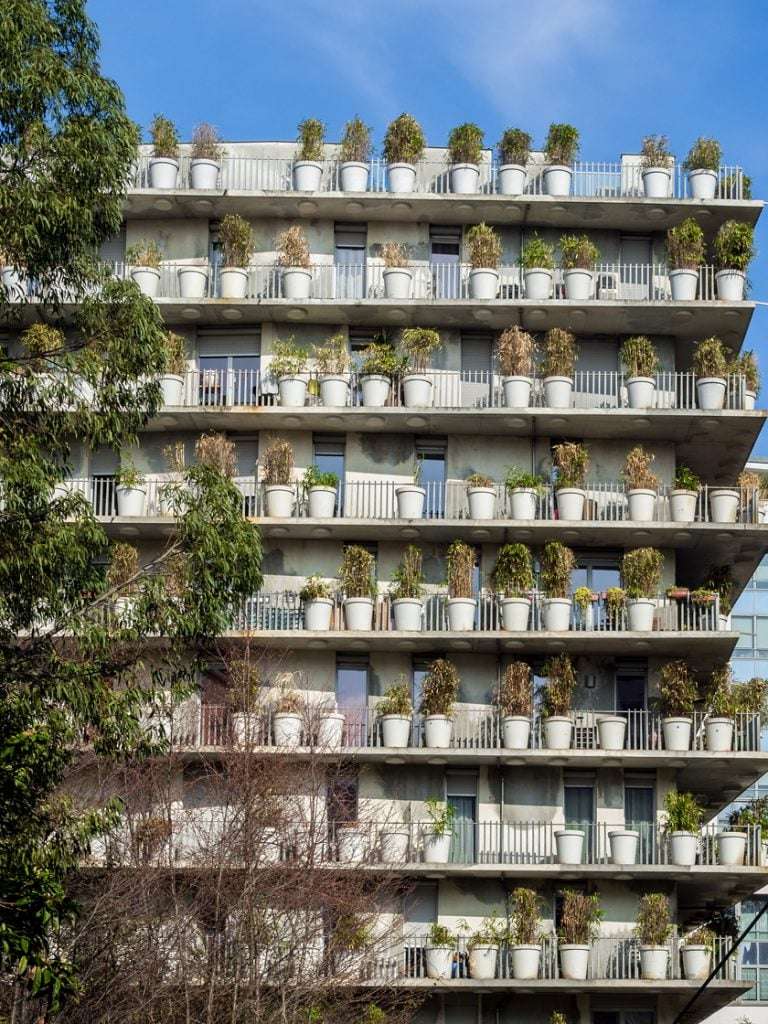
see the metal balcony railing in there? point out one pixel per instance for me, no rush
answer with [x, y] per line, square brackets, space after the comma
[591, 178]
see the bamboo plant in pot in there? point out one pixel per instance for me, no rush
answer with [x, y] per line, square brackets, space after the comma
[460, 569]
[164, 162]
[525, 934]
[653, 928]
[439, 952]
[410, 497]
[130, 489]
[288, 719]
[556, 700]
[404, 145]
[288, 366]
[321, 490]
[418, 344]
[481, 496]
[734, 249]
[524, 490]
[696, 952]
[578, 257]
[721, 706]
[172, 380]
[465, 151]
[641, 363]
[560, 150]
[678, 694]
[703, 167]
[514, 700]
[512, 580]
[408, 590]
[277, 473]
[558, 368]
[516, 353]
[514, 150]
[731, 843]
[308, 165]
[579, 926]
[379, 366]
[357, 584]
[439, 691]
[656, 167]
[745, 365]
[684, 495]
[571, 462]
[685, 255]
[537, 261]
[355, 156]
[332, 363]
[397, 274]
[710, 364]
[641, 576]
[395, 711]
[682, 827]
[317, 600]
[144, 259]
[484, 255]
[557, 564]
[294, 258]
[236, 240]
[642, 485]
[438, 832]
[206, 154]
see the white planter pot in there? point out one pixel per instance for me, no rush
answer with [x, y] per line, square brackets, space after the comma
[292, 392]
[611, 732]
[723, 504]
[395, 730]
[163, 172]
[307, 175]
[350, 844]
[640, 392]
[296, 283]
[730, 285]
[398, 282]
[172, 386]
[511, 180]
[322, 502]
[358, 613]
[731, 848]
[233, 282]
[461, 614]
[642, 505]
[569, 843]
[624, 844]
[375, 389]
[245, 730]
[483, 283]
[354, 177]
[437, 849]
[556, 614]
[702, 183]
[570, 503]
[677, 733]
[522, 503]
[203, 174]
[517, 392]
[515, 613]
[394, 846]
[131, 501]
[287, 729]
[697, 962]
[682, 505]
[750, 397]
[437, 731]
[683, 847]
[482, 962]
[656, 182]
[410, 501]
[465, 179]
[417, 391]
[574, 962]
[653, 962]
[401, 177]
[710, 392]
[719, 734]
[557, 180]
[148, 280]
[317, 614]
[538, 283]
[439, 962]
[558, 392]
[640, 612]
[334, 391]
[683, 284]
[278, 499]
[578, 284]
[525, 962]
[193, 282]
[516, 732]
[407, 614]
[482, 502]
[330, 729]
[558, 730]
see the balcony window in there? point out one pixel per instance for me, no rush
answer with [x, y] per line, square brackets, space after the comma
[328, 455]
[418, 672]
[341, 798]
[349, 260]
[431, 458]
[579, 812]
[476, 369]
[352, 682]
[461, 795]
[445, 262]
[634, 268]
[640, 815]
[229, 365]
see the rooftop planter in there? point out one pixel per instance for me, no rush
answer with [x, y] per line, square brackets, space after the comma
[355, 156]
[578, 258]
[144, 259]
[710, 364]
[641, 363]
[164, 162]
[418, 344]
[408, 591]
[557, 565]
[293, 256]
[439, 692]
[558, 368]
[308, 165]
[514, 700]
[332, 363]
[397, 274]
[571, 460]
[556, 700]
[656, 167]
[685, 254]
[236, 240]
[205, 157]
[465, 151]
[484, 252]
[560, 150]
[404, 144]
[513, 150]
[512, 580]
[537, 260]
[277, 476]
[703, 167]
[734, 250]
[642, 485]
[515, 350]
[288, 365]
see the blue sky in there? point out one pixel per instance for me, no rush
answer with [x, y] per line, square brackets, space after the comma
[616, 70]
